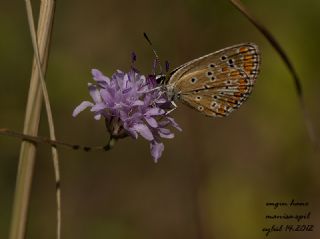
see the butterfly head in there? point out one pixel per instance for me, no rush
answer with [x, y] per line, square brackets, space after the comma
[168, 89]
[161, 79]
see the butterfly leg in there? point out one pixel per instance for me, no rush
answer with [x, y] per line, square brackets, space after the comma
[174, 107]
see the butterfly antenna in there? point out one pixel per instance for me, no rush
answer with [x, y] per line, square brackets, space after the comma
[154, 51]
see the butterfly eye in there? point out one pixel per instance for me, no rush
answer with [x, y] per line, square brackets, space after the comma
[160, 78]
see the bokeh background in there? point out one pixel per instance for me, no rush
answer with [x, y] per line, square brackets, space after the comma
[215, 177]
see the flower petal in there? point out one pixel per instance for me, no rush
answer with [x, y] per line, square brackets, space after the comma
[151, 121]
[165, 133]
[125, 81]
[129, 129]
[156, 150]
[144, 131]
[107, 97]
[94, 92]
[154, 111]
[98, 107]
[174, 123]
[96, 73]
[100, 78]
[135, 118]
[138, 102]
[81, 107]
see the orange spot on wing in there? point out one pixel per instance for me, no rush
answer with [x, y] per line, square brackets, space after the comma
[232, 101]
[235, 73]
[242, 81]
[221, 110]
[248, 68]
[242, 89]
[224, 69]
[248, 57]
[248, 64]
[243, 49]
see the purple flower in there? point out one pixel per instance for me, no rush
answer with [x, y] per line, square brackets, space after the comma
[131, 104]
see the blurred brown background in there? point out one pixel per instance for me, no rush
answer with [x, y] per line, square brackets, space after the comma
[215, 177]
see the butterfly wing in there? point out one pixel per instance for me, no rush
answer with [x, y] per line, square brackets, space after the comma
[219, 82]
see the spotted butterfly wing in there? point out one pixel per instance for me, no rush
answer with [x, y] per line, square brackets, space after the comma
[217, 83]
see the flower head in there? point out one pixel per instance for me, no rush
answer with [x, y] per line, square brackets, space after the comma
[131, 104]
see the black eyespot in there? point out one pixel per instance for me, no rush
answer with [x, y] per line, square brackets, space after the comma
[223, 58]
[209, 73]
[230, 61]
[212, 65]
[215, 97]
[227, 87]
[213, 78]
[198, 97]
[193, 80]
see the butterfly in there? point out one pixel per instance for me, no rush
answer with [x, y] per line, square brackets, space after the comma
[218, 83]
[215, 84]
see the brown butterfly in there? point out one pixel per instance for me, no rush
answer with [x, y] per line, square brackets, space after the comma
[217, 83]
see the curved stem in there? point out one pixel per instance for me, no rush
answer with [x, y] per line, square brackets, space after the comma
[55, 143]
[297, 82]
